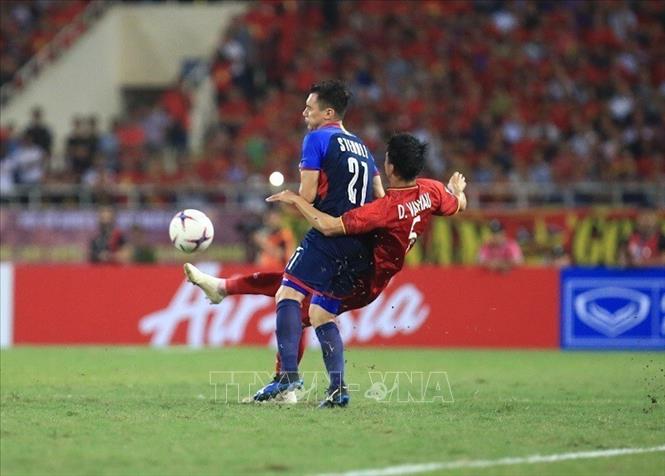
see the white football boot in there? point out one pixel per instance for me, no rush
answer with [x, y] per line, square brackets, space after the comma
[208, 284]
[286, 398]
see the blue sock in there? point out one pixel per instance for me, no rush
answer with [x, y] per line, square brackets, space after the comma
[289, 329]
[333, 352]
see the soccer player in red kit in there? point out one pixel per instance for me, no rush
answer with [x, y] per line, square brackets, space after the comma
[395, 221]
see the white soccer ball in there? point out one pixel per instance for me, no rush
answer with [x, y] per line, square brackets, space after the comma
[191, 231]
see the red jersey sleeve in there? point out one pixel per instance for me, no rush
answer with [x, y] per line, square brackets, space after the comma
[448, 203]
[366, 218]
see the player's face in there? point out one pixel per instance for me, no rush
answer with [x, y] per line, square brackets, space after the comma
[314, 115]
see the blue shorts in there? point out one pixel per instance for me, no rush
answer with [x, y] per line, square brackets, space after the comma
[328, 267]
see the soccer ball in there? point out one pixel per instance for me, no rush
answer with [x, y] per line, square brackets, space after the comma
[191, 231]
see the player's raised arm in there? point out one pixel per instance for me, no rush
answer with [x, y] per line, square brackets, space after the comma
[326, 224]
[456, 185]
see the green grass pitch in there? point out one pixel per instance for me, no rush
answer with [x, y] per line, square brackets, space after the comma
[129, 411]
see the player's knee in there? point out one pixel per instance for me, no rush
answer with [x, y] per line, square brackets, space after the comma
[319, 316]
[285, 292]
[319, 320]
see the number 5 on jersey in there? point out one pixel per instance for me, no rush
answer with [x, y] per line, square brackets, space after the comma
[413, 236]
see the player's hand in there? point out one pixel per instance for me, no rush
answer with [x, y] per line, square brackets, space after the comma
[285, 196]
[457, 183]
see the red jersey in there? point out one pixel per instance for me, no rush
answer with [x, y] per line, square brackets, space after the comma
[397, 220]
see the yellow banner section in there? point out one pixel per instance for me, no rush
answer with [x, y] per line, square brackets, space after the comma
[547, 236]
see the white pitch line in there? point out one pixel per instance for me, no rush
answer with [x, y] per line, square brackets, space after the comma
[487, 463]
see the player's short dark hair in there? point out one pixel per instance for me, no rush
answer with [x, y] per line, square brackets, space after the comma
[333, 94]
[407, 155]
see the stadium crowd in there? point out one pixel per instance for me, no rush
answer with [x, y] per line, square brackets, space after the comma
[506, 92]
[27, 25]
[541, 91]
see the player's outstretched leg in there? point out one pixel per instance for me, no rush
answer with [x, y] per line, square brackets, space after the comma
[210, 285]
[262, 283]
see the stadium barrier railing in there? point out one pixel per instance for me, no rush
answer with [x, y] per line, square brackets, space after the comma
[500, 195]
[588, 236]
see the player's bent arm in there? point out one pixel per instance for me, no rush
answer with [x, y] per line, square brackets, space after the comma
[377, 185]
[326, 224]
[309, 184]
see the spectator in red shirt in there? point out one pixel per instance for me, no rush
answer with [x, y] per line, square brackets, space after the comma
[646, 246]
[500, 253]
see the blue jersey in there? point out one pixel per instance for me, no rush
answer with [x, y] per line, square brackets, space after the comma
[346, 169]
[327, 265]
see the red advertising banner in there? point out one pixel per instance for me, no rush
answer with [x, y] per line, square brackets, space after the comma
[427, 306]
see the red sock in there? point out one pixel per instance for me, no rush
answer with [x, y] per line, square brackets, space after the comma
[301, 351]
[304, 315]
[257, 283]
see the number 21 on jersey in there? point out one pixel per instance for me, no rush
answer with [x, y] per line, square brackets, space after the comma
[354, 170]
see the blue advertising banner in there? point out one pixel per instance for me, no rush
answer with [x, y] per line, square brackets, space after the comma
[613, 308]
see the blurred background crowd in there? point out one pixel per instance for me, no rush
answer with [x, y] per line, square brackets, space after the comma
[504, 91]
[27, 26]
[507, 92]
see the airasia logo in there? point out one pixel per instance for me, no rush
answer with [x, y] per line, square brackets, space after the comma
[251, 319]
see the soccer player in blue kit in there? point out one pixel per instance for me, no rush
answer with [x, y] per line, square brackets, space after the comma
[337, 174]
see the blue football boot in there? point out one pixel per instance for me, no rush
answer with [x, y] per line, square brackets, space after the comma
[278, 386]
[337, 397]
